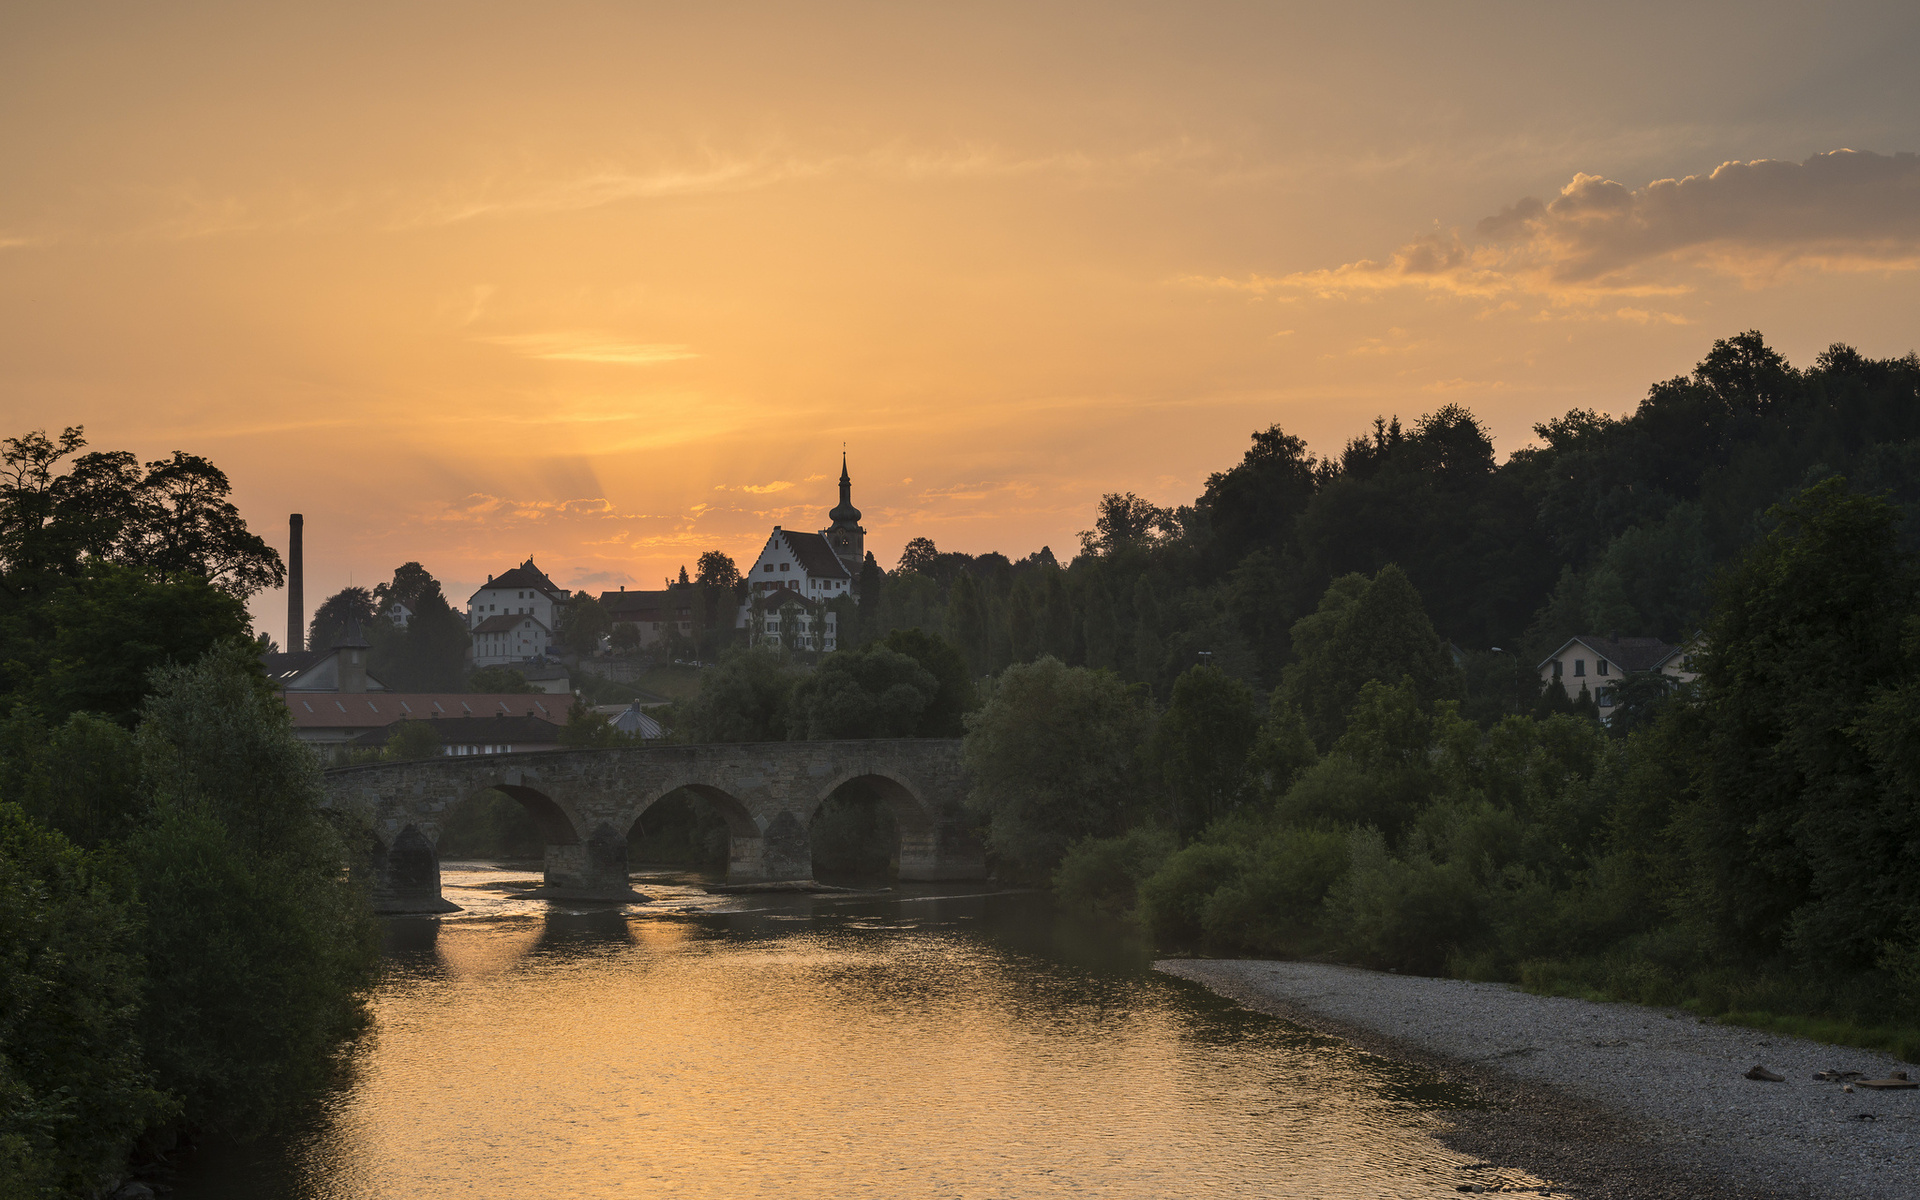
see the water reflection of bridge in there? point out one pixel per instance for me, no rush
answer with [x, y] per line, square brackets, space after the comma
[586, 801]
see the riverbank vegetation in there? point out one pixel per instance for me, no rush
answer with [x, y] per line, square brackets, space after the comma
[178, 947]
[1301, 716]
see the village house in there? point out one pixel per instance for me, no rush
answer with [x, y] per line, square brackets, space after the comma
[653, 617]
[786, 618]
[513, 616]
[1595, 664]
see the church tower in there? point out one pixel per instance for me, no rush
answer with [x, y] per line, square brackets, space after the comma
[845, 535]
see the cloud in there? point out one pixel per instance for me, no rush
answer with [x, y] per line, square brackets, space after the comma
[1844, 210]
[591, 347]
[485, 508]
[756, 489]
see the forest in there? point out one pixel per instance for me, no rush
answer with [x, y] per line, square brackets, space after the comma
[1301, 716]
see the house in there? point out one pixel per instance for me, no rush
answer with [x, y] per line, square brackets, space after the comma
[497, 734]
[399, 614]
[525, 591]
[1596, 663]
[506, 638]
[653, 616]
[340, 668]
[789, 618]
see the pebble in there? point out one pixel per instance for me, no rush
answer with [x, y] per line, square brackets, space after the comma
[1679, 1082]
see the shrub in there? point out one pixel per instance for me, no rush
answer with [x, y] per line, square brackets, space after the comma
[1102, 876]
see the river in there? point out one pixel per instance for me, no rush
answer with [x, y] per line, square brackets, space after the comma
[934, 1041]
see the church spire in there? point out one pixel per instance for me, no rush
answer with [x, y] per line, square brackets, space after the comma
[845, 535]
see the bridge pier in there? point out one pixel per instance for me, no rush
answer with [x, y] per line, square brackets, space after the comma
[406, 876]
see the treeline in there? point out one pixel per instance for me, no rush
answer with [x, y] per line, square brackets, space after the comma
[1747, 849]
[178, 949]
[1609, 524]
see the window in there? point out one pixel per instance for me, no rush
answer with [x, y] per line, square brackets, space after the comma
[783, 566]
[1556, 668]
[768, 567]
[1600, 666]
[1579, 667]
[1604, 697]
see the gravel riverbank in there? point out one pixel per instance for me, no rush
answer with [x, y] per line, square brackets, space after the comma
[1612, 1100]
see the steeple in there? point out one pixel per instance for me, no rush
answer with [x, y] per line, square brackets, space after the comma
[845, 535]
[844, 513]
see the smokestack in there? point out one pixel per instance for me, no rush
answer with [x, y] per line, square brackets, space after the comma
[296, 602]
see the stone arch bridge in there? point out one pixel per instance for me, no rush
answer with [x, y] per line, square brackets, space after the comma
[586, 801]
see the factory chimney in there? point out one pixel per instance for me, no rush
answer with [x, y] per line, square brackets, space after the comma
[296, 603]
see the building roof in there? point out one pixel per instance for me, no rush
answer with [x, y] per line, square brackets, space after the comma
[1629, 654]
[779, 598]
[647, 606]
[480, 731]
[369, 710]
[815, 555]
[526, 575]
[310, 671]
[505, 622]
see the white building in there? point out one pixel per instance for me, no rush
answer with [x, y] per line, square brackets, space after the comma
[1594, 664]
[524, 592]
[804, 572]
[508, 638]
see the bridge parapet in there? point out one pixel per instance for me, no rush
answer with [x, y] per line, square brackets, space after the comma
[586, 801]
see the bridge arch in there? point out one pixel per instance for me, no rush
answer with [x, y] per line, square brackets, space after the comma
[746, 841]
[916, 824]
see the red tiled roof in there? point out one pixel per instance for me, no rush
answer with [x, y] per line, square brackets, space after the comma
[370, 710]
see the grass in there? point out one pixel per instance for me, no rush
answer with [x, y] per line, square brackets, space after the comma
[1902, 1043]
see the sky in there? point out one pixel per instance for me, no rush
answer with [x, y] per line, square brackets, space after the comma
[612, 284]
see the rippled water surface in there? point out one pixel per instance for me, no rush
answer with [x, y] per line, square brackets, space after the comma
[936, 1041]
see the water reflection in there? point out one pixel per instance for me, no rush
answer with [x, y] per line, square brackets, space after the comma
[916, 1044]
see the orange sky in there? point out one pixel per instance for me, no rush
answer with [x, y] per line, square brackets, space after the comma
[609, 284]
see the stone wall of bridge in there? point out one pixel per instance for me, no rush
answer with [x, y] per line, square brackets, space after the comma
[586, 801]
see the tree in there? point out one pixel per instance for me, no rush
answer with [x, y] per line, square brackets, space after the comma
[74, 1093]
[946, 715]
[348, 608]
[583, 622]
[409, 739]
[1203, 747]
[1123, 521]
[429, 654]
[91, 642]
[919, 555]
[259, 950]
[500, 681]
[169, 519]
[867, 693]
[587, 729]
[1053, 758]
[1364, 630]
[966, 623]
[746, 697]
[716, 570]
[1798, 843]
